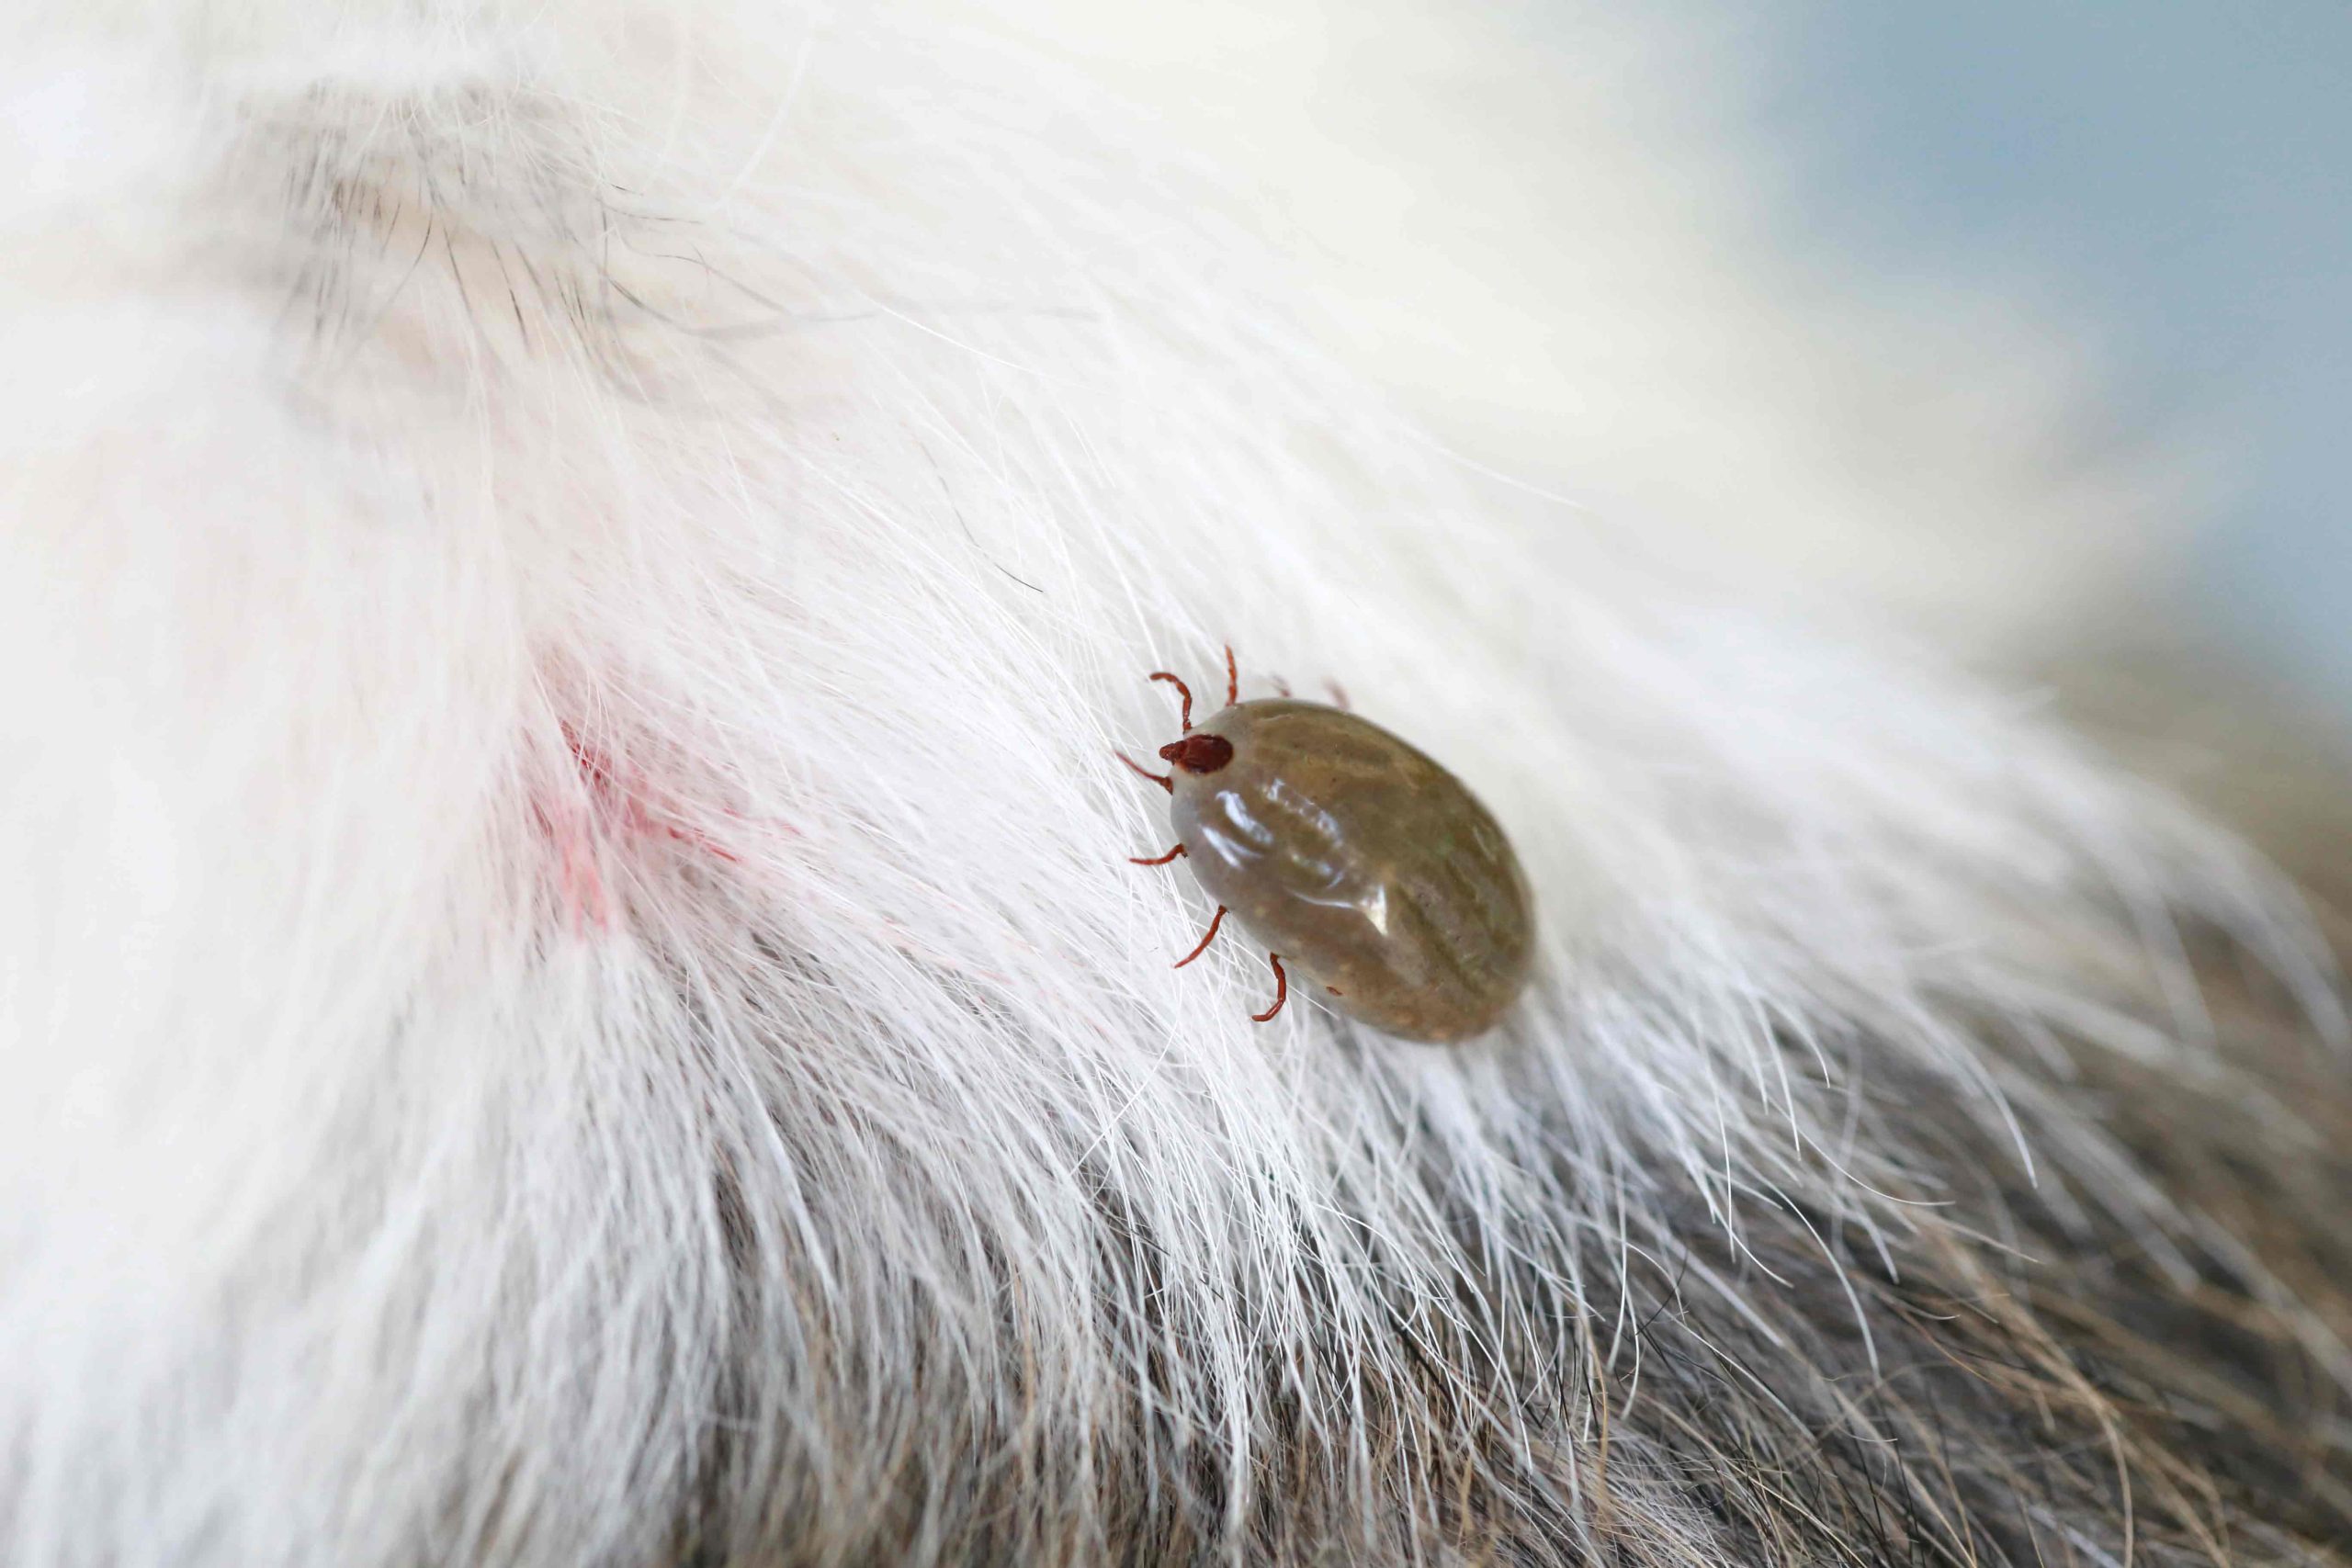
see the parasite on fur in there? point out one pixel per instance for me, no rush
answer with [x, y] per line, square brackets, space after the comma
[1349, 852]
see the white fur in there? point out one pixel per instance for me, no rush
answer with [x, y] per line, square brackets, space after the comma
[571, 578]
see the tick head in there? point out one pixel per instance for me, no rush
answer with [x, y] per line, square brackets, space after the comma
[1198, 753]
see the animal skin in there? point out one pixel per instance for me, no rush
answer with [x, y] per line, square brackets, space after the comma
[570, 987]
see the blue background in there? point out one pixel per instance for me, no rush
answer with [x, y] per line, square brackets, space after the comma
[2180, 172]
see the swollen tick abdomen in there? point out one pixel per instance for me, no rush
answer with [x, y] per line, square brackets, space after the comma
[1354, 857]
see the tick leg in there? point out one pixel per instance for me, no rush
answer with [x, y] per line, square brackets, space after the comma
[1215, 920]
[1282, 991]
[1232, 678]
[1186, 719]
[1340, 696]
[1281, 687]
[1161, 860]
[1165, 781]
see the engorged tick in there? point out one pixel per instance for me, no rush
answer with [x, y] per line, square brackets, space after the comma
[1348, 851]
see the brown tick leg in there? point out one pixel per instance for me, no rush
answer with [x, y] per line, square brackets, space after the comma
[1159, 860]
[1165, 781]
[1215, 920]
[1339, 697]
[1282, 991]
[1281, 687]
[1186, 720]
[1232, 678]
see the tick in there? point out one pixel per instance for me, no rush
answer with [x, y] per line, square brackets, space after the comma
[1347, 852]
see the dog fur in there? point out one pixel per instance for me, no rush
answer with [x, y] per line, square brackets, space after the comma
[570, 989]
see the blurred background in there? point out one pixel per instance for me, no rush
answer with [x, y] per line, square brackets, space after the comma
[2174, 181]
[2023, 328]
[2177, 178]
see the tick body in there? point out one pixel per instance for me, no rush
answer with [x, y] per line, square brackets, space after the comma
[1357, 860]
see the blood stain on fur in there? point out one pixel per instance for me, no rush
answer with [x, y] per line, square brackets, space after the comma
[611, 806]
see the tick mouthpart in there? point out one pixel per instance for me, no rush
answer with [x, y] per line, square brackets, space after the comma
[1198, 753]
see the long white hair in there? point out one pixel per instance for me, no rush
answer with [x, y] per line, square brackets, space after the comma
[570, 989]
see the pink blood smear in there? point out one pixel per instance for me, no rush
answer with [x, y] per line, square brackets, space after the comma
[618, 806]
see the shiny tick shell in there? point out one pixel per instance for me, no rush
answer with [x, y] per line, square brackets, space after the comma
[1362, 863]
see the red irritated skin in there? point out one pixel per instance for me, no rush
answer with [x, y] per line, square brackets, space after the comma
[1364, 865]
